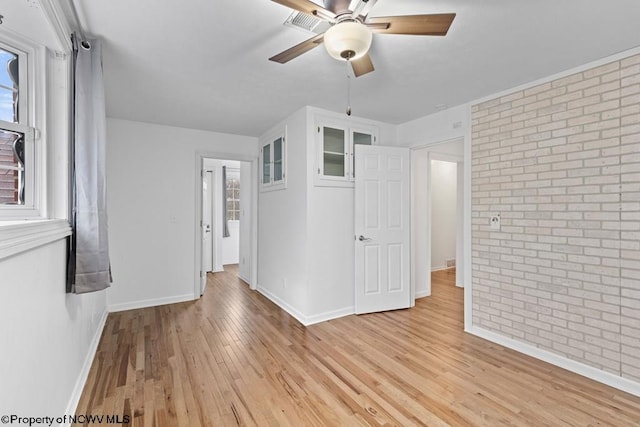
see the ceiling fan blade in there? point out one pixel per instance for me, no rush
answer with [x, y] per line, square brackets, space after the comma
[417, 25]
[308, 7]
[363, 7]
[298, 49]
[362, 65]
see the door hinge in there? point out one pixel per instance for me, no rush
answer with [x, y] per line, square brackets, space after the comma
[202, 274]
[318, 129]
[318, 171]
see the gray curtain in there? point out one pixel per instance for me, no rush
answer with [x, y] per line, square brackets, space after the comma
[225, 221]
[89, 267]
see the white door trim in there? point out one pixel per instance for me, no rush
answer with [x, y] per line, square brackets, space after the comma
[198, 167]
[466, 250]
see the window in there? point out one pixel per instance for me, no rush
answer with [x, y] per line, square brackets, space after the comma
[16, 137]
[273, 161]
[34, 83]
[233, 194]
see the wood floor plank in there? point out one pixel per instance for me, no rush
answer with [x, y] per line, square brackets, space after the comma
[234, 358]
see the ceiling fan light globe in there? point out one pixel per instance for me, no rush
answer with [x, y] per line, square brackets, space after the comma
[347, 40]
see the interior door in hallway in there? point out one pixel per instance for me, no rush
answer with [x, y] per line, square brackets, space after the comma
[206, 223]
[382, 226]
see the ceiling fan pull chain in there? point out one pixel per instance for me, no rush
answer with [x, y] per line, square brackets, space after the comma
[348, 88]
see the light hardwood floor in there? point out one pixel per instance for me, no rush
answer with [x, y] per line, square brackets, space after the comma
[234, 358]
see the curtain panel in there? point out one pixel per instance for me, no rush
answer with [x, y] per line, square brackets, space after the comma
[89, 268]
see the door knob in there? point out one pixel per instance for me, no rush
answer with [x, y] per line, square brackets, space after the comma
[363, 239]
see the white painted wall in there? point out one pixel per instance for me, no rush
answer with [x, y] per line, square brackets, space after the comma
[282, 226]
[449, 124]
[331, 230]
[332, 251]
[443, 212]
[151, 174]
[47, 337]
[420, 233]
[231, 244]
[244, 232]
[306, 246]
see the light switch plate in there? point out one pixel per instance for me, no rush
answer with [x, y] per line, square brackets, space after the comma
[495, 222]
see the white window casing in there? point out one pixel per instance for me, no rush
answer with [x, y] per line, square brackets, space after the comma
[44, 92]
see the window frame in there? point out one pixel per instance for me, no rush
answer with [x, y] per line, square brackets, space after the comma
[233, 173]
[49, 86]
[32, 72]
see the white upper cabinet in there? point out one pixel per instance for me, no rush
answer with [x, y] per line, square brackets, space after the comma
[335, 142]
[273, 161]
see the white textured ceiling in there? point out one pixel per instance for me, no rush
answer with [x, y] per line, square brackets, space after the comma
[203, 64]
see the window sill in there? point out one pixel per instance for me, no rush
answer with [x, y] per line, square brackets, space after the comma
[21, 236]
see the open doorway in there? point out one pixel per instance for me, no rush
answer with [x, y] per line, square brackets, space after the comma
[221, 199]
[437, 215]
[446, 220]
[226, 220]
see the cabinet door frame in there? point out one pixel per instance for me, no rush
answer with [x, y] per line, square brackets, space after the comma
[269, 141]
[330, 180]
[363, 129]
[346, 180]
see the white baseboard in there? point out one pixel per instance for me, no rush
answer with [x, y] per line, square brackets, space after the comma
[302, 318]
[283, 305]
[422, 294]
[329, 315]
[149, 303]
[86, 367]
[244, 279]
[579, 368]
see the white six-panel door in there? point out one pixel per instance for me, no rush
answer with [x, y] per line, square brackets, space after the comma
[382, 227]
[207, 209]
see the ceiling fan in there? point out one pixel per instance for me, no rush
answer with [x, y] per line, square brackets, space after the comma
[351, 31]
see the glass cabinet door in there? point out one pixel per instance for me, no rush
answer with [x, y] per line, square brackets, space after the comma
[334, 152]
[277, 160]
[359, 138]
[266, 164]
